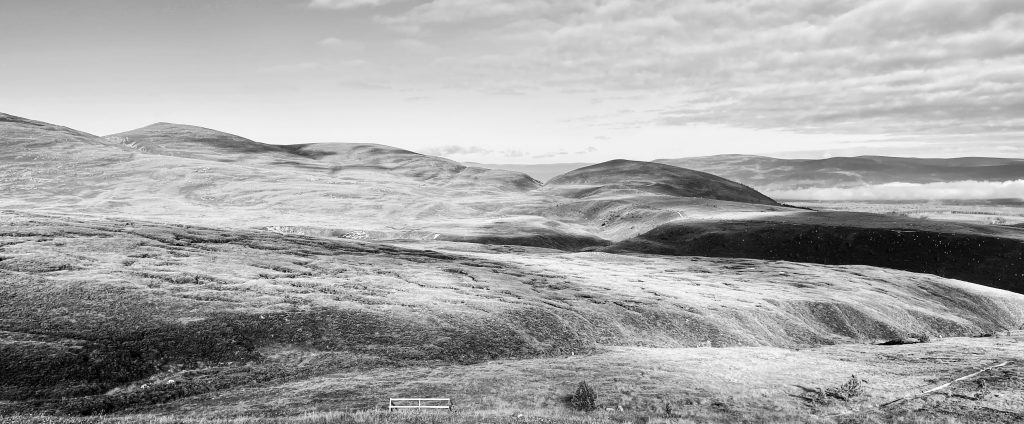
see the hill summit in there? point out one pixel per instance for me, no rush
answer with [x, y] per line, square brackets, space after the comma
[190, 141]
[657, 178]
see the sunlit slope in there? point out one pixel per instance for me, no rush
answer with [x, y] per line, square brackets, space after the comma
[89, 305]
[334, 159]
[197, 143]
[191, 174]
[46, 163]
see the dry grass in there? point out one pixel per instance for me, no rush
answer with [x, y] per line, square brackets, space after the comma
[249, 322]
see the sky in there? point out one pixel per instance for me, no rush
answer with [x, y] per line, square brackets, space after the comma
[534, 81]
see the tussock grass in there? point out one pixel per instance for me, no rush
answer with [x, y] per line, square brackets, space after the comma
[372, 417]
[217, 310]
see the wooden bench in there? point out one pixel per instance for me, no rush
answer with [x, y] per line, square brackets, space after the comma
[420, 403]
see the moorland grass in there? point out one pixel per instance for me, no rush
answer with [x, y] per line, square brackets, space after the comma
[212, 309]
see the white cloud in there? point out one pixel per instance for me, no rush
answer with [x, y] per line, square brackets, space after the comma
[453, 149]
[910, 191]
[879, 68]
[455, 11]
[346, 4]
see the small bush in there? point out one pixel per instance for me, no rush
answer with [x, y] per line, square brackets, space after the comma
[584, 399]
[847, 391]
[911, 339]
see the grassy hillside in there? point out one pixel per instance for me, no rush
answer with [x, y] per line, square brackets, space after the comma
[186, 141]
[97, 312]
[652, 178]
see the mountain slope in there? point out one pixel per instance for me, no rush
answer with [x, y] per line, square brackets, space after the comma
[365, 156]
[190, 174]
[97, 312]
[543, 172]
[653, 178]
[188, 141]
[193, 142]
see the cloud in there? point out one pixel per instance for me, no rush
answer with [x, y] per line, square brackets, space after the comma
[965, 190]
[453, 149]
[456, 11]
[549, 155]
[883, 67]
[346, 4]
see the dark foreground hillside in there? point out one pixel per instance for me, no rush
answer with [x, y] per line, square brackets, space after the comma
[988, 255]
[112, 315]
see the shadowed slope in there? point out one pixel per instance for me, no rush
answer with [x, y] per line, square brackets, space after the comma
[988, 255]
[653, 178]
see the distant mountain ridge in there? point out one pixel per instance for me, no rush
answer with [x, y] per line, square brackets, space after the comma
[543, 172]
[188, 173]
[772, 174]
[768, 174]
[194, 142]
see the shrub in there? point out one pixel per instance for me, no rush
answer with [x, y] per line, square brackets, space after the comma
[847, 391]
[584, 399]
[911, 339]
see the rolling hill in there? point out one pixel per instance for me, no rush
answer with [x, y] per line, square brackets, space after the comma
[543, 172]
[188, 141]
[192, 175]
[769, 174]
[181, 270]
[183, 173]
[99, 314]
[652, 178]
